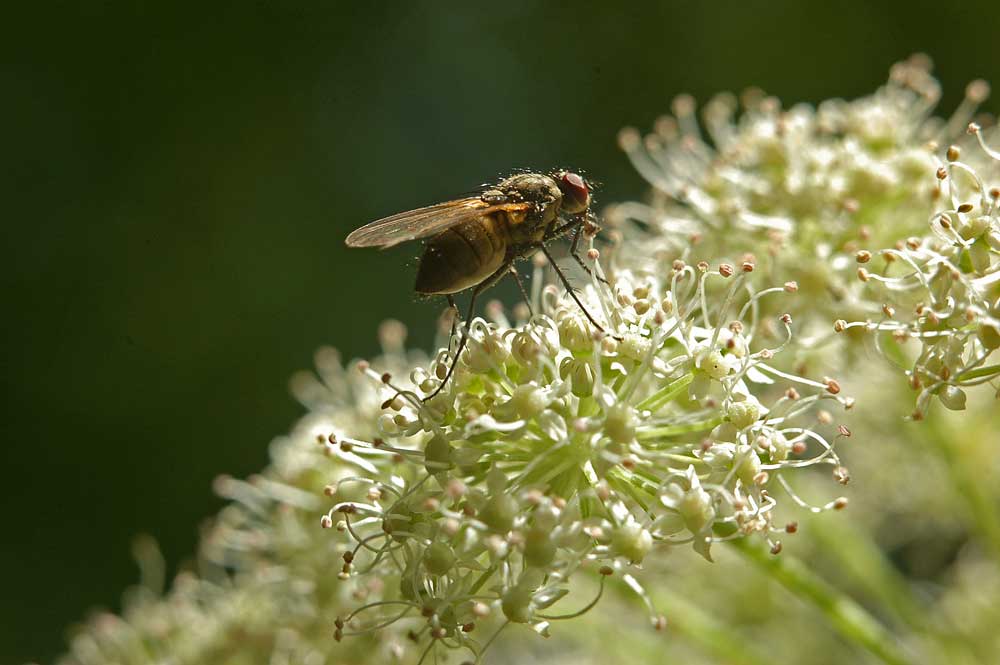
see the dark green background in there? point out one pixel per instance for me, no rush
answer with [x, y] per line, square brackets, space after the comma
[178, 179]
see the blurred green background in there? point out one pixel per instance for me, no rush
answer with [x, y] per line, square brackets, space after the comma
[178, 179]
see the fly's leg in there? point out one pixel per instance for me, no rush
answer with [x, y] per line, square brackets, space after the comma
[454, 315]
[467, 324]
[453, 307]
[574, 251]
[524, 293]
[571, 290]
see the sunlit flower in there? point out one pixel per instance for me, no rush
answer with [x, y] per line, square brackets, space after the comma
[824, 197]
[942, 291]
[556, 449]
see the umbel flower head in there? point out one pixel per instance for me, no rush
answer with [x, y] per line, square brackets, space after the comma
[557, 451]
[815, 193]
[942, 291]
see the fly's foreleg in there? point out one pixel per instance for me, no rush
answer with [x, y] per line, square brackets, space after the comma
[571, 291]
[574, 251]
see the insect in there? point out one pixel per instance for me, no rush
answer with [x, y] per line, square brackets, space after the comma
[473, 242]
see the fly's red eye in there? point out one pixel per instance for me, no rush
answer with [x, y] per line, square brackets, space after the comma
[576, 194]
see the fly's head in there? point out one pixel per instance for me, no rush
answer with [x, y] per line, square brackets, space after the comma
[575, 192]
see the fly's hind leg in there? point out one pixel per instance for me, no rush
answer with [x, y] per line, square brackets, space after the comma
[467, 324]
[454, 315]
[524, 293]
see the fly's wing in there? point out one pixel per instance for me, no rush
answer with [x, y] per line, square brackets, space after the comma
[424, 222]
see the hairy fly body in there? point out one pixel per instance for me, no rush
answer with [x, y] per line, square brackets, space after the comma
[471, 243]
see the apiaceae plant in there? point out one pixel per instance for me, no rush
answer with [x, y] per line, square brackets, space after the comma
[885, 216]
[558, 451]
[561, 462]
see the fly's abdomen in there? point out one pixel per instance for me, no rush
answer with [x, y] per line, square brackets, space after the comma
[462, 256]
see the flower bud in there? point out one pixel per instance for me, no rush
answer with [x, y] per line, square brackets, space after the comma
[574, 333]
[438, 559]
[437, 455]
[400, 522]
[746, 464]
[743, 414]
[632, 542]
[499, 512]
[539, 548]
[516, 604]
[524, 348]
[579, 373]
[974, 227]
[953, 398]
[529, 400]
[620, 423]
[780, 448]
[486, 354]
[409, 588]
[634, 347]
[697, 510]
[713, 363]
[989, 336]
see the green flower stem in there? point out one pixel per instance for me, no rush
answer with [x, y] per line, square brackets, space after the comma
[675, 430]
[701, 628]
[969, 484]
[850, 619]
[715, 637]
[859, 557]
[981, 372]
[665, 394]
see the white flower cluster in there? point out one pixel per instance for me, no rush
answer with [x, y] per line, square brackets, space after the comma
[942, 291]
[807, 190]
[262, 590]
[803, 183]
[556, 449]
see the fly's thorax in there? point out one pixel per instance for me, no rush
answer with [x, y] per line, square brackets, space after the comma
[535, 188]
[546, 198]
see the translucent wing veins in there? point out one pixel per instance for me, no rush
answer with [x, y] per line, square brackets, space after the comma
[424, 222]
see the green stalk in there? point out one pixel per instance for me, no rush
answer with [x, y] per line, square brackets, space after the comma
[968, 483]
[860, 558]
[723, 641]
[849, 618]
[665, 394]
[981, 372]
[675, 430]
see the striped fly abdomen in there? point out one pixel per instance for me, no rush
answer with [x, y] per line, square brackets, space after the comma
[464, 255]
